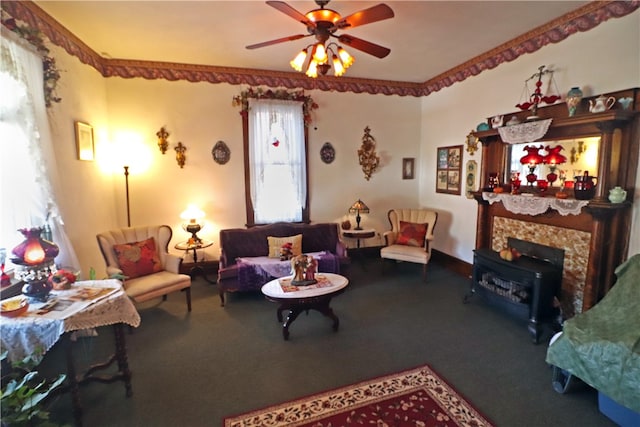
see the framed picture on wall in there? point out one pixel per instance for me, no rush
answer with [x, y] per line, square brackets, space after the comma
[449, 168]
[84, 141]
[408, 164]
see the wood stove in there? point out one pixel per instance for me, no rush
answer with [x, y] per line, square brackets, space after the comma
[526, 287]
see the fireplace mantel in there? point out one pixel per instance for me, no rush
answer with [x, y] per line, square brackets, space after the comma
[596, 239]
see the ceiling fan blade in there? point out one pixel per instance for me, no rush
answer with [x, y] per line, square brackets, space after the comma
[276, 41]
[365, 16]
[288, 10]
[365, 46]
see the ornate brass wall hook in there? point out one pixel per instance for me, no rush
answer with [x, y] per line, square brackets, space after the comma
[162, 135]
[367, 154]
[180, 157]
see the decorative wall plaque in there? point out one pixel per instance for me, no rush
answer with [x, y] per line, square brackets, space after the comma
[220, 153]
[367, 154]
[327, 153]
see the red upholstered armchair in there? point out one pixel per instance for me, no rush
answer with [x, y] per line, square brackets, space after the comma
[141, 254]
[410, 237]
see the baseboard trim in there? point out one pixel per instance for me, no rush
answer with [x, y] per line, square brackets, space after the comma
[452, 263]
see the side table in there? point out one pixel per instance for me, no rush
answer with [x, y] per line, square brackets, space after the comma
[359, 234]
[197, 268]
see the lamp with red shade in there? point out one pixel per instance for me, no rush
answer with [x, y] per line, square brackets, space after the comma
[532, 159]
[34, 263]
[553, 159]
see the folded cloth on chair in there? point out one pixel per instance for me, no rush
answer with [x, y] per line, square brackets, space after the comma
[602, 345]
[253, 272]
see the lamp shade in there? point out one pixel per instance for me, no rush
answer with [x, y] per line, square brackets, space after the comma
[554, 157]
[358, 207]
[532, 157]
[193, 217]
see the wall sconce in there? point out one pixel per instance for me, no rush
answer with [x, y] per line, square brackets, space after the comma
[180, 157]
[575, 152]
[162, 135]
[367, 154]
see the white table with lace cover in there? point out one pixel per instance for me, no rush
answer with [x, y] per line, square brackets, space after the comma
[36, 331]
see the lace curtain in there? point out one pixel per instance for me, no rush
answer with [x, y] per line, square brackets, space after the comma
[277, 160]
[28, 176]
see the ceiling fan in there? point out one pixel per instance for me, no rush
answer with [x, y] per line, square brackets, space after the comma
[323, 24]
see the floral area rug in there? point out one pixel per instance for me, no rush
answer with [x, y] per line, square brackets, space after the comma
[416, 397]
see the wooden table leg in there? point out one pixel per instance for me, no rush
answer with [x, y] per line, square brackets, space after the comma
[73, 381]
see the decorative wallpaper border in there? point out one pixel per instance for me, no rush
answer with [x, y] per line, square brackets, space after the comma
[582, 19]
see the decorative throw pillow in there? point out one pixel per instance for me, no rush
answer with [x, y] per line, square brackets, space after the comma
[412, 234]
[138, 258]
[275, 244]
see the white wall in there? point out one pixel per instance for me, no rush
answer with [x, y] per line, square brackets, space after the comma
[87, 205]
[604, 59]
[199, 114]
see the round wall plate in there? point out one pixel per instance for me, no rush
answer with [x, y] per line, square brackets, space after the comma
[221, 153]
[327, 153]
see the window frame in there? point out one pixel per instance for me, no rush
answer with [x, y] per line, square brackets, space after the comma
[247, 174]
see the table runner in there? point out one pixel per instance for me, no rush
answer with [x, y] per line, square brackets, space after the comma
[253, 272]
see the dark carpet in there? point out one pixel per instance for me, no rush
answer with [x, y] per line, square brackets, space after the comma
[193, 369]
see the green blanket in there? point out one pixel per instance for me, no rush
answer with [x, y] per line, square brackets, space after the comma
[602, 345]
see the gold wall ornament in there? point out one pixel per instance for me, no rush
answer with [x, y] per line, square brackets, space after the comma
[472, 143]
[180, 157]
[162, 135]
[367, 154]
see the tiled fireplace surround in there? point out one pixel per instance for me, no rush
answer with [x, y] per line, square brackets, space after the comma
[575, 244]
[596, 239]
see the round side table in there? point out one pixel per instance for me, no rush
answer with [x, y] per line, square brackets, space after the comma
[359, 234]
[197, 268]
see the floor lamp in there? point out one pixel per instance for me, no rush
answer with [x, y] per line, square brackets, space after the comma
[126, 185]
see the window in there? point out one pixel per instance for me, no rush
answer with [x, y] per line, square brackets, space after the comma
[28, 173]
[275, 139]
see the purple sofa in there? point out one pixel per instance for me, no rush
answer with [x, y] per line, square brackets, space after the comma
[242, 243]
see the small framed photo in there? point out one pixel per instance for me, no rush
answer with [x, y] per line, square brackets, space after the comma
[408, 164]
[449, 168]
[84, 141]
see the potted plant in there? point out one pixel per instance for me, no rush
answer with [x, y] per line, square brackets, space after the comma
[23, 393]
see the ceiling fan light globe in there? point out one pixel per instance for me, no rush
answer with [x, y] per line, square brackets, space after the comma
[320, 53]
[347, 60]
[338, 69]
[298, 61]
[312, 70]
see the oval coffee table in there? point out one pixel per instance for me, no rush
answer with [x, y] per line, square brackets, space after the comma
[297, 299]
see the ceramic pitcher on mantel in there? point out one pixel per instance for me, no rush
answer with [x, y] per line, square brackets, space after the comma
[601, 103]
[584, 187]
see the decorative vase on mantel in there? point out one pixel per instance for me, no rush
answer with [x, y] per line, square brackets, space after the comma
[574, 96]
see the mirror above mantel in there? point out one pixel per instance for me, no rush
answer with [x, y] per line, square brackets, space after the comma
[581, 156]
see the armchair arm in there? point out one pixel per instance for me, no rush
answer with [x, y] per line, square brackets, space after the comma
[427, 242]
[172, 263]
[113, 271]
[390, 237]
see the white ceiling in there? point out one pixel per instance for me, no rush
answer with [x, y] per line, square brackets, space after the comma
[426, 38]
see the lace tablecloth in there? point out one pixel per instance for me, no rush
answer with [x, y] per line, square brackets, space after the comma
[532, 205]
[28, 335]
